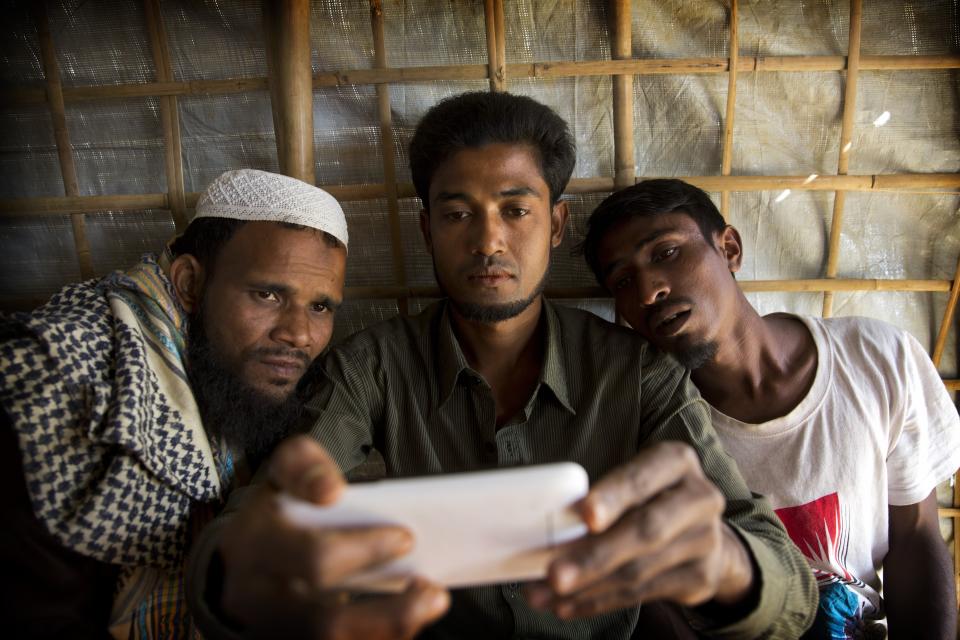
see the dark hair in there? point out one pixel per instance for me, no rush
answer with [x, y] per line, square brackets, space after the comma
[471, 120]
[204, 238]
[648, 198]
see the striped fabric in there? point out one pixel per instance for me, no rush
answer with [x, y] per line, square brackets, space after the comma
[405, 389]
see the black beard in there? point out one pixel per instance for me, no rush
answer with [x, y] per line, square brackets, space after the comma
[494, 313]
[246, 419]
[697, 355]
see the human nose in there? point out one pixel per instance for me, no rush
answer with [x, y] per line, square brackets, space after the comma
[488, 235]
[293, 328]
[652, 289]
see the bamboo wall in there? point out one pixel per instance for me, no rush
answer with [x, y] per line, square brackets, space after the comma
[292, 81]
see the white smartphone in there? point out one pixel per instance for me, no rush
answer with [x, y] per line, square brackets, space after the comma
[469, 529]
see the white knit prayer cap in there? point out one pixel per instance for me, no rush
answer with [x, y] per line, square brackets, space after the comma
[249, 194]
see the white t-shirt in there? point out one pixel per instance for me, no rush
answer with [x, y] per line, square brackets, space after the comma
[877, 428]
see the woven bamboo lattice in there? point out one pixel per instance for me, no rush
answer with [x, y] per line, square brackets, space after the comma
[291, 83]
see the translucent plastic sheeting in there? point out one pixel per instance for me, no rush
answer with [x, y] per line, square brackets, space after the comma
[545, 30]
[215, 39]
[566, 269]
[37, 256]
[94, 47]
[29, 166]
[914, 27]
[788, 123]
[346, 135]
[782, 240]
[794, 28]
[20, 61]
[334, 23]
[112, 249]
[680, 29]
[434, 33]
[906, 122]
[225, 132]
[900, 236]
[678, 124]
[371, 259]
[117, 146]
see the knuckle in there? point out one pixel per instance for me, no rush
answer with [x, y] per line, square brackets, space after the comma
[404, 625]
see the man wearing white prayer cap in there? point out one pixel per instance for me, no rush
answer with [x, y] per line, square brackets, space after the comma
[133, 404]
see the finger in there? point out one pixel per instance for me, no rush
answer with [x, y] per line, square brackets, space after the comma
[650, 472]
[623, 587]
[645, 532]
[322, 558]
[401, 616]
[302, 468]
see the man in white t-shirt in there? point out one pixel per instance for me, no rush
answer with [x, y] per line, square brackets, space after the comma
[844, 423]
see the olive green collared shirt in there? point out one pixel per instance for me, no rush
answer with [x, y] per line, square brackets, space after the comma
[405, 388]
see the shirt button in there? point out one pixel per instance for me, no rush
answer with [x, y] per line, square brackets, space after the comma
[491, 448]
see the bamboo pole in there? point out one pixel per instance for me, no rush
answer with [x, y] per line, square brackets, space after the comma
[846, 136]
[941, 341]
[291, 85]
[17, 96]
[625, 164]
[169, 114]
[727, 159]
[902, 183]
[387, 145]
[68, 170]
[496, 44]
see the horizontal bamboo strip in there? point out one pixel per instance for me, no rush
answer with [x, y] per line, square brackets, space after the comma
[952, 385]
[560, 69]
[949, 512]
[913, 182]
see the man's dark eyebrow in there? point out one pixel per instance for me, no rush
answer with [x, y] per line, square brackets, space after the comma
[447, 196]
[281, 289]
[651, 237]
[520, 191]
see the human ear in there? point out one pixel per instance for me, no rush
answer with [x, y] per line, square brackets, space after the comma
[558, 223]
[732, 247]
[425, 230]
[186, 276]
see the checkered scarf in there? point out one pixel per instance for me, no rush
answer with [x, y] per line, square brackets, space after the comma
[115, 456]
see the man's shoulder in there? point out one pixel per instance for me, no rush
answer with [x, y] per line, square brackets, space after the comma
[580, 324]
[859, 335]
[398, 335]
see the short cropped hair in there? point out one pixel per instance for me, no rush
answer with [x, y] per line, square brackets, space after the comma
[204, 238]
[648, 198]
[472, 120]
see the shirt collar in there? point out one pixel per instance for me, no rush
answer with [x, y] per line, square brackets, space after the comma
[451, 362]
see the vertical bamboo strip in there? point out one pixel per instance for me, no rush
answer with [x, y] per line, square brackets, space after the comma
[938, 349]
[625, 164]
[291, 85]
[727, 159]
[169, 114]
[496, 67]
[501, 33]
[387, 145]
[51, 70]
[846, 135]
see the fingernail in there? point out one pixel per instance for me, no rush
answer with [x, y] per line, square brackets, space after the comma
[565, 576]
[310, 477]
[439, 601]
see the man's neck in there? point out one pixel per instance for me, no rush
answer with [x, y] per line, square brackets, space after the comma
[508, 354]
[763, 368]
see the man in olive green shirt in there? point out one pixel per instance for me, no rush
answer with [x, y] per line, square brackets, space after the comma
[497, 376]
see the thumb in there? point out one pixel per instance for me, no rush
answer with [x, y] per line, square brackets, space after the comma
[304, 469]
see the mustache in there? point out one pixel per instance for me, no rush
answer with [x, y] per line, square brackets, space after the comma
[293, 354]
[485, 263]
